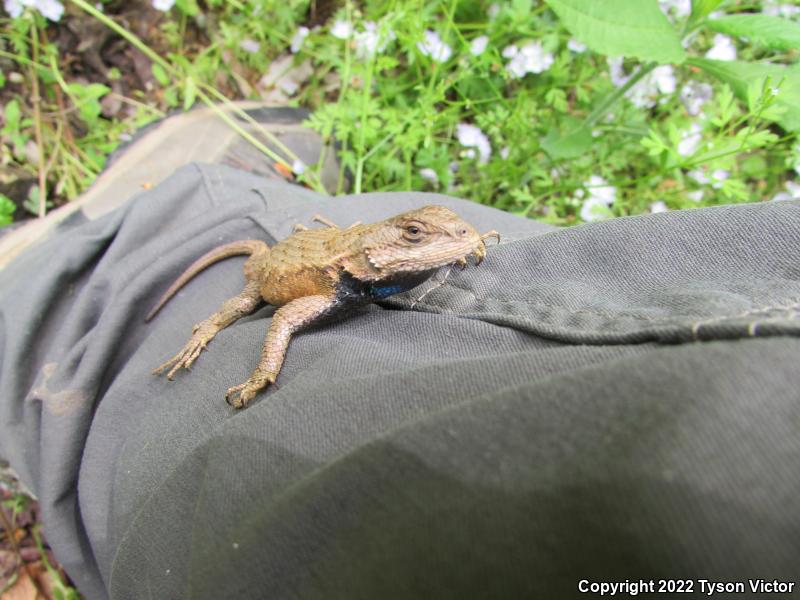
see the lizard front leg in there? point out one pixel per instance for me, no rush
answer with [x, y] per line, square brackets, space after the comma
[291, 317]
[231, 310]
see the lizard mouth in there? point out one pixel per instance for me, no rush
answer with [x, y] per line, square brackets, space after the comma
[480, 249]
[479, 252]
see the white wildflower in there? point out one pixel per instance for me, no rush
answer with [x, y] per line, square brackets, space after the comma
[504, 152]
[616, 71]
[298, 167]
[792, 192]
[599, 188]
[371, 40]
[693, 95]
[594, 209]
[653, 87]
[723, 48]
[695, 196]
[163, 5]
[680, 8]
[297, 40]
[699, 176]
[664, 79]
[478, 45]
[493, 11]
[434, 47]
[531, 58]
[576, 46]
[250, 45]
[773, 9]
[690, 141]
[14, 8]
[50, 9]
[342, 30]
[718, 176]
[429, 175]
[659, 206]
[650, 89]
[600, 197]
[471, 136]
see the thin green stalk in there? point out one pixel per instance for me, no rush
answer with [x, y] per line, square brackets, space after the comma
[343, 93]
[203, 93]
[362, 130]
[600, 111]
[36, 100]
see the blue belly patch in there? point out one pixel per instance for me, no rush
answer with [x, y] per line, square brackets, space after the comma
[387, 290]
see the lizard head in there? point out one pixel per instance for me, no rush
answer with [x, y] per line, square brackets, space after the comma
[423, 240]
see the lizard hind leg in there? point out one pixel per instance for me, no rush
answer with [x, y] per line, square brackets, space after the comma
[202, 333]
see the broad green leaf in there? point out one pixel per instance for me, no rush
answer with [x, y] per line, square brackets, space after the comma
[570, 143]
[772, 32]
[703, 8]
[635, 28]
[740, 75]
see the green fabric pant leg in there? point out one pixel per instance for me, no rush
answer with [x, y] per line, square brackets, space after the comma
[613, 401]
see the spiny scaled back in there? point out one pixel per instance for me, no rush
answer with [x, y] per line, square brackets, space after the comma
[314, 274]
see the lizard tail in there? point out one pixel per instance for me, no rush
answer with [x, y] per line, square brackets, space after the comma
[251, 247]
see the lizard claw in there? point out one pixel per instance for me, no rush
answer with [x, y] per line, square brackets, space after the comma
[240, 395]
[188, 354]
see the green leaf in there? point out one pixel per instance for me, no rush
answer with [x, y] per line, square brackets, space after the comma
[88, 97]
[773, 33]
[702, 8]
[7, 208]
[160, 74]
[11, 115]
[187, 7]
[635, 28]
[189, 93]
[573, 141]
[740, 76]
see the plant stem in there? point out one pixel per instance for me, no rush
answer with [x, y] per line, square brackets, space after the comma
[37, 121]
[609, 101]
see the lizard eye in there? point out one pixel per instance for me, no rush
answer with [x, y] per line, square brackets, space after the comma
[413, 233]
